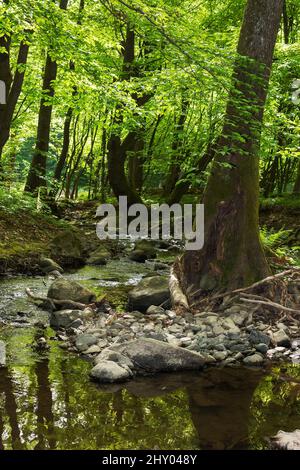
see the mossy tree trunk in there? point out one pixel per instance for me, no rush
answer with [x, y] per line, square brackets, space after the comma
[232, 255]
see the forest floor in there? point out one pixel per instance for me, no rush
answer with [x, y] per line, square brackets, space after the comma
[25, 234]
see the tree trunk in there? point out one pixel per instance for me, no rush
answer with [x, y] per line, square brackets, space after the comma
[178, 151]
[67, 125]
[37, 173]
[232, 255]
[13, 88]
[296, 189]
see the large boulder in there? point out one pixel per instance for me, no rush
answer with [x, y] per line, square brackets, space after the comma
[99, 257]
[2, 354]
[150, 355]
[152, 290]
[67, 249]
[63, 289]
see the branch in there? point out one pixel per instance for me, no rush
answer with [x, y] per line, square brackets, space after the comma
[60, 303]
[253, 286]
[271, 304]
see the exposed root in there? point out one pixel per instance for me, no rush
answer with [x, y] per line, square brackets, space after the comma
[178, 298]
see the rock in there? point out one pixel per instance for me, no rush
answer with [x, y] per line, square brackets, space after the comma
[158, 266]
[220, 355]
[67, 248]
[218, 330]
[84, 341]
[229, 324]
[143, 250]
[286, 440]
[93, 349]
[155, 310]
[150, 291]
[257, 337]
[138, 255]
[63, 289]
[261, 347]
[296, 344]
[149, 355]
[47, 265]
[2, 354]
[239, 318]
[109, 372]
[172, 315]
[99, 257]
[254, 360]
[210, 320]
[110, 355]
[280, 338]
[65, 318]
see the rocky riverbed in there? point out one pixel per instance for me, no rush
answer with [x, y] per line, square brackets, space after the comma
[123, 345]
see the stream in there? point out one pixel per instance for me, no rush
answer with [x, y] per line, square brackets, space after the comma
[48, 402]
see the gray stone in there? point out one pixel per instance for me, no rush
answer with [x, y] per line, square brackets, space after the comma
[65, 318]
[63, 289]
[99, 257]
[138, 255]
[150, 291]
[84, 341]
[220, 355]
[295, 344]
[239, 318]
[155, 310]
[261, 347]
[67, 248]
[149, 355]
[254, 360]
[47, 265]
[93, 349]
[280, 338]
[218, 330]
[257, 337]
[109, 372]
[2, 354]
[114, 356]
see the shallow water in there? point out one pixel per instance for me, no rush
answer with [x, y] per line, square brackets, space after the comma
[48, 402]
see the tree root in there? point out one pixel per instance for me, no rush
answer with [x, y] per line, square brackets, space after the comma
[178, 298]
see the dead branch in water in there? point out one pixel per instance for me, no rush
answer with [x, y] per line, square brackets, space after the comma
[63, 303]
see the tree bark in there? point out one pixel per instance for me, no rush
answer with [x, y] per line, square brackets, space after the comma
[67, 125]
[13, 84]
[296, 189]
[37, 173]
[232, 255]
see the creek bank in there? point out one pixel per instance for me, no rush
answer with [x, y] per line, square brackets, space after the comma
[234, 336]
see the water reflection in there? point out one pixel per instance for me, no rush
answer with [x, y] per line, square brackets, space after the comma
[47, 402]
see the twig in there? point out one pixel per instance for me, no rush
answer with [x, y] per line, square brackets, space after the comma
[253, 286]
[271, 304]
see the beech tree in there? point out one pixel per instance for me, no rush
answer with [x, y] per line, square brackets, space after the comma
[233, 256]
[37, 173]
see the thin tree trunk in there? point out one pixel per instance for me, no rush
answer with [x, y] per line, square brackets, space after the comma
[232, 255]
[296, 189]
[67, 125]
[37, 173]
